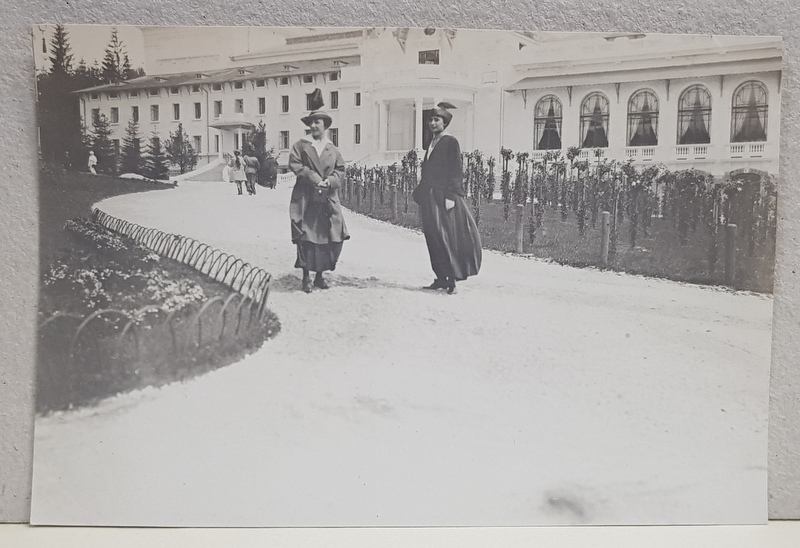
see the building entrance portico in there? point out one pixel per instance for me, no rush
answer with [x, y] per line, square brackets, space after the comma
[232, 134]
[401, 123]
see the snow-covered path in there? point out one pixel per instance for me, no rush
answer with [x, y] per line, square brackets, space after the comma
[539, 394]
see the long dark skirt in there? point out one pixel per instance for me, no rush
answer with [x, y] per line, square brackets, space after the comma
[318, 257]
[454, 244]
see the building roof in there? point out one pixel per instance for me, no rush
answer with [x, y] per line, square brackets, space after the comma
[233, 74]
[763, 55]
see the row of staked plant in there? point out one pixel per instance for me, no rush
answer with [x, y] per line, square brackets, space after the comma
[565, 187]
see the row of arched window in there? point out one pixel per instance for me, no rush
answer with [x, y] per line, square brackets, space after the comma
[748, 118]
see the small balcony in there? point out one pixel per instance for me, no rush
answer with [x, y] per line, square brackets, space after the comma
[746, 150]
[691, 152]
[640, 154]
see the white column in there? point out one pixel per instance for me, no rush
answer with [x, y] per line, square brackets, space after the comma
[418, 121]
[382, 125]
[470, 136]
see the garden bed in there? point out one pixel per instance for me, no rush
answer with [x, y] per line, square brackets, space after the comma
[658, 253]
[116, 317]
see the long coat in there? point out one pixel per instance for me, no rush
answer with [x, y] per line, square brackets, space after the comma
[316, 222]
[452, 236]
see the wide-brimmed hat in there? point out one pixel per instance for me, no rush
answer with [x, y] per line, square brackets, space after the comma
[317, 115]
[442, 111]
[315, 103]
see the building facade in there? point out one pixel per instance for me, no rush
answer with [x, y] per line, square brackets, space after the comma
[712, 103]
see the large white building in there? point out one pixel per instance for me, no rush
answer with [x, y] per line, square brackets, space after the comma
[707, 102]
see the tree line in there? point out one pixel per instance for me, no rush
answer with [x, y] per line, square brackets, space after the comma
[65, 140]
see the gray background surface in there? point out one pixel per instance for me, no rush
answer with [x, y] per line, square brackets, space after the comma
[19, 210]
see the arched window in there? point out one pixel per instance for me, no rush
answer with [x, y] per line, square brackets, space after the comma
[694, 116]
[749, 113]
[547, 124]
[643, 119]
[594, 121]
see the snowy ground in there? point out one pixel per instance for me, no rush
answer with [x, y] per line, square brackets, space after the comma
[539, 394]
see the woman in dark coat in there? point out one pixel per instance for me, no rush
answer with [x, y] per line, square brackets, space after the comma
[450, 230]
[315, 211]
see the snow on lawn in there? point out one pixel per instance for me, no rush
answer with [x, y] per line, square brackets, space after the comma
[539, 394]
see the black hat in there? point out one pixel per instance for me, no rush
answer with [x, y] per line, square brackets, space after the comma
[442, 110]
[316, 102]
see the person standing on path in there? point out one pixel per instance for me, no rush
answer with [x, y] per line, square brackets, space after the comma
[251, 167]
[92, 163]
[239, 175]
[315, 211]
[454, 244]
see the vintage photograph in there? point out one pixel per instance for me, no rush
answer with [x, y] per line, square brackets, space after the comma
[357, 277]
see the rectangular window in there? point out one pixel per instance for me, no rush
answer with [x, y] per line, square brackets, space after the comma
[217, 109]
[176, 111]
[358, 99]
[195, 88]
[197, 142]
[216, 87]
[216, 143]
[198, 111]
[284, 81]
[135, 114]
[261, 83]
[95, 115]
[238, 85]
[309, 100]
[238, 106]
[429, 57]
[308, 79]
[262, 105]
[134, 93]
[95, 96]
[284, 140]
[334, 100]
[154, 92]
[114, 115]
[175, 90]
[333, 135]
[154, 113]
[113, 94]
[284, 103]
[334, 76]
[357, 134]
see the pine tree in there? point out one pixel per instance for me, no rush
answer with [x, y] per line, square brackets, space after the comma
[180, 151]
[155, 166]
[102, 145]
[131, 156]
[112, 70]
[61, 58]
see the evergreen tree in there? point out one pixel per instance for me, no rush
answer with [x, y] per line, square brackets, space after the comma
[180, 151]
[60, 58]
[155, 166]
[102, 145]
[113, 61]
[256, 142]
[131, 156]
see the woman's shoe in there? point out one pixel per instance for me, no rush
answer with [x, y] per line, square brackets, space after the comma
[451, 287]
[437, 284]
[320, 283]
[307, 285]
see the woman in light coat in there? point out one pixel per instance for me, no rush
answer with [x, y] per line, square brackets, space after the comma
[315, 211]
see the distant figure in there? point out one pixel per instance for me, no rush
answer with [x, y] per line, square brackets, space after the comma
[227, 170]
[251, 167]
[315, 210]
[454, 244]
[238, 170]
[271, 172]
[92, 163]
